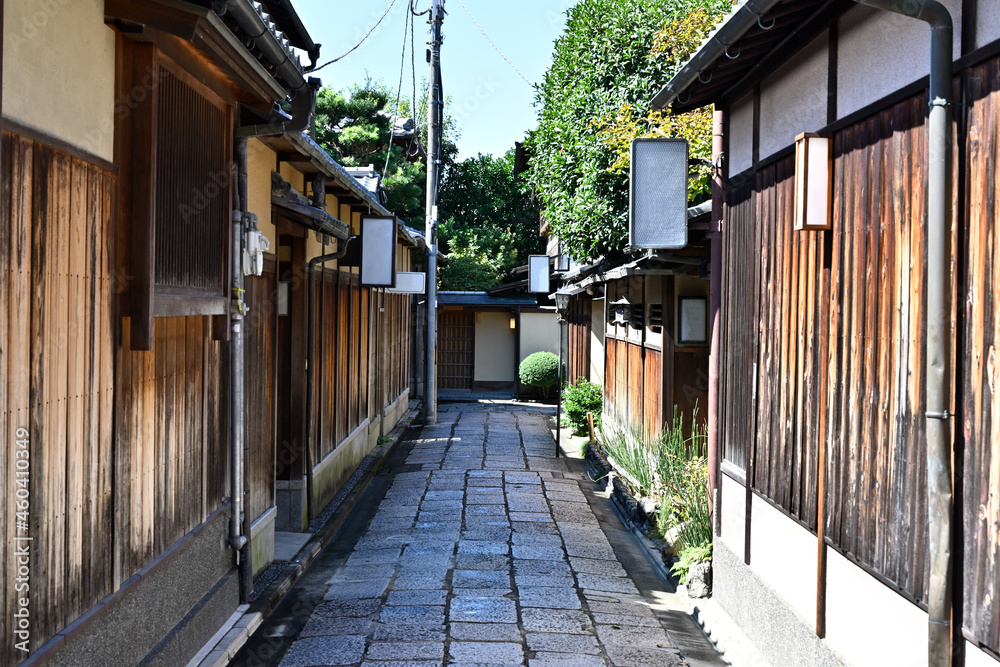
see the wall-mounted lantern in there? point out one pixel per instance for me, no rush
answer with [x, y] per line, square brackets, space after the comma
[378, 251]
[538, 274]
[692, 320]
[513, 323]
[813, 181]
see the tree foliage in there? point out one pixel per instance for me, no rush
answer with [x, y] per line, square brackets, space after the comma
[612, 58]
[355, 125]
[489, 222]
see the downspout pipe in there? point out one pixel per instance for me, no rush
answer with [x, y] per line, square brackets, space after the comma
[938, 425]
[310, 355]
[237, 539]
[241, 218]
[714, 310]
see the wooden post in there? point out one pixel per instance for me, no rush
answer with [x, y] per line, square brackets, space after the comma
[590, 427]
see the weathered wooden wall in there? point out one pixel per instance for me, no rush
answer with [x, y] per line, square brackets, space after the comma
[645, 378]
[56, 381]
[578, 339]
[828, 327]
[979, 399]
[260, 327]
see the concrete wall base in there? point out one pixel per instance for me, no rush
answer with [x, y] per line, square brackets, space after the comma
[778, 632]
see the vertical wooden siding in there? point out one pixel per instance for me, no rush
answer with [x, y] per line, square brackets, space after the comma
[261, 331]
[979, 400]
[57, 367]
[740, 259]
[578, 339]
[836, 337]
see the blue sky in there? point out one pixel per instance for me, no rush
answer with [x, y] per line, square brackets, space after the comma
[491, 104]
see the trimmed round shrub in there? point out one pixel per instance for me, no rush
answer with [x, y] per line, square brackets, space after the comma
[540, 369]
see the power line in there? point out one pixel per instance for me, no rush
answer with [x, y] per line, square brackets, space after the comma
[492, 44]
[399, 94]
[355, 47]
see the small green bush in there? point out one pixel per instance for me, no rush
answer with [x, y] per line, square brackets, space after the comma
[540, 369]
[578, 400]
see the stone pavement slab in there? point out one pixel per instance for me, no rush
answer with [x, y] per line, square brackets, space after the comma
[484, 549]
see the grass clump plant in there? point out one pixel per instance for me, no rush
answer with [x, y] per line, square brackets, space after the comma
[579, 399]
[671, 467]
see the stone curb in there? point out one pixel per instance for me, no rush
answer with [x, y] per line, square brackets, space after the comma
[248, 617]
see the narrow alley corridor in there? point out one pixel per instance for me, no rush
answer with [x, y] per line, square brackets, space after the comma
[483, 550]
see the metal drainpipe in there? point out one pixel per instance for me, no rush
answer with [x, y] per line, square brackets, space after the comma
[310, 353]
[237, 540]
[939, 473]
[715, 304]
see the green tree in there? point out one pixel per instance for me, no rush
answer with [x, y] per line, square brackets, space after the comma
[611, 59]
[489, 222]
[354, 126]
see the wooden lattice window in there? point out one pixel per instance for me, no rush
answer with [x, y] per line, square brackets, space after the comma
[180, 169]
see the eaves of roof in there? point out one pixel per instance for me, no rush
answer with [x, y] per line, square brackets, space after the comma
[751, 42]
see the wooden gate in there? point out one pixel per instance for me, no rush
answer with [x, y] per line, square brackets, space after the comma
[456, 349]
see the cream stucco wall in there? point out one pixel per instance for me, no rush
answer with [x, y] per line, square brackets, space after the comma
[539, 331]
[885, 630]
[794, 99]
[260, 164]
[987, 22]
[784, 554]
[59, 71]
[870, 66]
[741, 135]
[495, 348]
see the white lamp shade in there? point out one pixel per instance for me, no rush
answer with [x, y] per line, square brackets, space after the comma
[813, 181]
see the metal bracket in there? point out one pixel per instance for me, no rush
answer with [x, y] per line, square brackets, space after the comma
[703, 81]
[732, 57]
[943, 416]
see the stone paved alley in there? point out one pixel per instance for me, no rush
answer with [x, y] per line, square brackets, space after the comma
[483, 550]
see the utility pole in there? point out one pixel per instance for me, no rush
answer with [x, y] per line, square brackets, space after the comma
[435, 117]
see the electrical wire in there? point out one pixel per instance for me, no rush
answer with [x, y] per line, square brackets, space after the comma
[355, 47]
[399, 94]
[492, 44]
[415, 144]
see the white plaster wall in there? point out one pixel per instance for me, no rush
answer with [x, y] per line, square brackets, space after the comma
[59, 71]
[976, 657]
[741, 135]
[597, 341]
[883, 630]
[539, 331]
[783, 553]
[494, 348]
[987, 25]
[794, 99]
[879, 52]
[654, 295]
[734, 514]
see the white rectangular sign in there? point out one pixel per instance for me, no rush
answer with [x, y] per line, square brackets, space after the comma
[409, 282]
[658, 193]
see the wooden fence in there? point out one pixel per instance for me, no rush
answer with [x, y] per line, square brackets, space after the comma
[829, 329]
